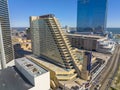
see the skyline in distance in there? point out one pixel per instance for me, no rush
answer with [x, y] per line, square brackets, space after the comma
[65, 10]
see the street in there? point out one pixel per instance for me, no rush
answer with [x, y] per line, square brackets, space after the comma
[105, 77]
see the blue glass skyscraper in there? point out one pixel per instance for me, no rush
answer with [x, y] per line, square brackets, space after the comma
[91, 15]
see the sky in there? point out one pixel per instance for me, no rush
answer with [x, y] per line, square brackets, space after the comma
[64, 10]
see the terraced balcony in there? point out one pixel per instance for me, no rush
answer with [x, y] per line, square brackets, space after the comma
[63, 45]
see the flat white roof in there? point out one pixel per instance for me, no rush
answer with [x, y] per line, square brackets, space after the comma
[31, 67]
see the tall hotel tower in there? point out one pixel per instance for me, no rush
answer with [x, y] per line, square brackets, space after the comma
[6, 50]
[49, 42]
[91, 15]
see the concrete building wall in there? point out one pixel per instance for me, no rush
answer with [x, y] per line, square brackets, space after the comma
[81, 42]
[25, 73]
[6, 33]
[42, 82]
[92, 42]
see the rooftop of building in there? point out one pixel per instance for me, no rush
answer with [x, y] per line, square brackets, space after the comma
[31, 67]
[86, 36]
[51, 66]
[12, 79]
[47, 64]
[45, 16]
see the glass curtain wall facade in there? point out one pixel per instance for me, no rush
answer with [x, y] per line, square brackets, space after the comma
[6, 34]
[91, 15]
[50, 43]
[43, 43]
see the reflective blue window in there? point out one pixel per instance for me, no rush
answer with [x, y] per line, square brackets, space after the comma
[91, 15]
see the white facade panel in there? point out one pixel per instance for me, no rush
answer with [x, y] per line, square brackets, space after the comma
[36, 75]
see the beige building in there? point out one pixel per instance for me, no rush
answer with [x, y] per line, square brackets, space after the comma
[26, 46]
[88, 42]
[49, 42]
[24, 43]
[53, 51]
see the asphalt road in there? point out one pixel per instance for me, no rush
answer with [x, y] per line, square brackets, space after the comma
[106, 75]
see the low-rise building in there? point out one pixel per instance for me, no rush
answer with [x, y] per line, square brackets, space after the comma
[106, 46]
[36, 75]
[25, 75]
[12, 79]
[20, 50]
[92, 42]
[26, 46]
